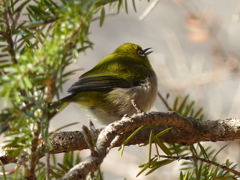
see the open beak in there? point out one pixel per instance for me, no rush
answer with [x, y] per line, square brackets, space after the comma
[147, 53]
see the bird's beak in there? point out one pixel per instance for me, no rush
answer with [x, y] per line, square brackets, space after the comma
[147, 53]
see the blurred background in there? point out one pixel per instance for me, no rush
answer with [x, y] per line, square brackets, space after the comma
[196, 48]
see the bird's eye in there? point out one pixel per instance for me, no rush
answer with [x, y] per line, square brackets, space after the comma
[141, 53]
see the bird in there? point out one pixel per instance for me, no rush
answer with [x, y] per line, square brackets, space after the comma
[107, 90]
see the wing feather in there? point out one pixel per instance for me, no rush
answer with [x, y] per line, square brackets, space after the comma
[100, 83]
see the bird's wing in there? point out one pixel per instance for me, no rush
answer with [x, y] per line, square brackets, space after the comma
[100, 83]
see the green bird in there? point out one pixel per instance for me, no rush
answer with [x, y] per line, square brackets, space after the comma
[106, 91]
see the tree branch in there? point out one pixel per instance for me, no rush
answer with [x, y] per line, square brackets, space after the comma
[186, 131]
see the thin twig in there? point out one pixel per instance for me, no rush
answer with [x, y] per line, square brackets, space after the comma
[8, 33]
[47, 166]
[89, 140]
[164, 101]
[225, 168]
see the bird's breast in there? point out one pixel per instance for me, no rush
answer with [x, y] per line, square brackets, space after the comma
[143, 95]
[119, 100]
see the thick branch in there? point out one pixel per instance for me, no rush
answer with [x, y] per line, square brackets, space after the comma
[187, 131]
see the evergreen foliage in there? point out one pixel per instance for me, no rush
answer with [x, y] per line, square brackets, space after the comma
[36, 47]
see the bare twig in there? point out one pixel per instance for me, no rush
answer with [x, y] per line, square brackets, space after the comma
[47, 166]
[164, 101]
[89, 140]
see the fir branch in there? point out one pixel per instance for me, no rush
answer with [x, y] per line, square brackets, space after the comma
[7, 33]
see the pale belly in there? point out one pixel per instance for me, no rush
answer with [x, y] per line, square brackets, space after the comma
[120, 101]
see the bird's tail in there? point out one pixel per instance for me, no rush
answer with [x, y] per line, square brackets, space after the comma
[57, 106]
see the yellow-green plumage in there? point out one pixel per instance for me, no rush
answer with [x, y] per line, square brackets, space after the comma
[107, 89]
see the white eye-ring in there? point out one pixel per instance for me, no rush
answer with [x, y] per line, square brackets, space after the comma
[141, 53]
